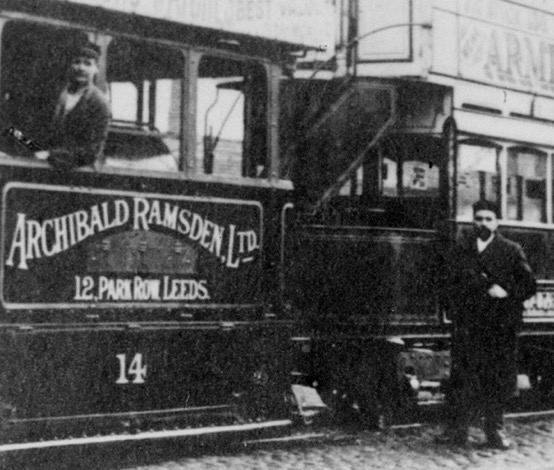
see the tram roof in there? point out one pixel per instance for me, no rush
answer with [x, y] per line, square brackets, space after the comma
[259, 27]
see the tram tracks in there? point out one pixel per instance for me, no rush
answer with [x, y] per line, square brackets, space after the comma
[137, 453]
[284, 433]
[345, 434]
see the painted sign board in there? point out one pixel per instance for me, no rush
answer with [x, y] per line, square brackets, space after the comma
[506, 44]
[540, 307]
[67, 247]
[537, 309]
[305, 22]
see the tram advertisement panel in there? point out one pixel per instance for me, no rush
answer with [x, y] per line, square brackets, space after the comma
[308, 22]
[540, 307]
[69, 247]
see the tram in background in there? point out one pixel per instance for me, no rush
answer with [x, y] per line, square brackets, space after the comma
[428, 106]
[139, 297]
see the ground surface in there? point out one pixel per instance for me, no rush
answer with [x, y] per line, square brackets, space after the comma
[407, 449]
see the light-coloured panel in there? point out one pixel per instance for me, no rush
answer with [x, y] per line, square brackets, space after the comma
[445, 43]
[308, 22]
[448, 5]
[390, 44]
[510, 129]
[543, 108]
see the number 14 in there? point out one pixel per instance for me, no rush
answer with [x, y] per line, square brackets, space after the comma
[135, 368]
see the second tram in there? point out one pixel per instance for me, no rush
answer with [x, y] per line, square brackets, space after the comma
[433, 106]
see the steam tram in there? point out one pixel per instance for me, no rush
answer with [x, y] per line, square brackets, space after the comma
[434, 105]
[140, 295]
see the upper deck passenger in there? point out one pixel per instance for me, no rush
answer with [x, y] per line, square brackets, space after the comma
[80, 124]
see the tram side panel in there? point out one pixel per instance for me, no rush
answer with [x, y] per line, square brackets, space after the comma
[355, 290]
[127, 309]
[370, 276]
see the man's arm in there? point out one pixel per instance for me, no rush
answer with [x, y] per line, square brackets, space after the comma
[525, 283]
[92, 139]
[515, 280]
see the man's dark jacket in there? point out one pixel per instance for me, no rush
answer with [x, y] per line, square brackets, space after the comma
[78, 137]
[484, 333]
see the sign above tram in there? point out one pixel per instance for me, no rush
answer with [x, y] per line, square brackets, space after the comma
[306, 22]
[506, 44]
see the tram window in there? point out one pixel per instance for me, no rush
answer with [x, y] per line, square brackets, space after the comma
[301, 104]
[526, 191]
[231, 118]
[410, 167]
[478, 176]
[389, 174]
[354, 185]
[145, 83]
[35, 58]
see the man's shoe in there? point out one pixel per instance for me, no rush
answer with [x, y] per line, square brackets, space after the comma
[498, 441]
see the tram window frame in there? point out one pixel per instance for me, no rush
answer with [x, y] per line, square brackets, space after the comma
[368, 182]
[155, 149]
[251, 165]
[32, 79]
[50, 80]
[407, 204]
[422, 184]
[465, 211]
[516, 183]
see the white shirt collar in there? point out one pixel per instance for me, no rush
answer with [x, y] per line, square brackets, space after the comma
[482, 244]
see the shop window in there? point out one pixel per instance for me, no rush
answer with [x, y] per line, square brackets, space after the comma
[478, 176]
[145, 83]
[231, 119]
[526, 190]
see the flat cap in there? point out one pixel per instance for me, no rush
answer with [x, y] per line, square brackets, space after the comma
[485, 205]
[86, 49]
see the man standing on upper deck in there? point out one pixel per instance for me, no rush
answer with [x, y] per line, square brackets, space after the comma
[488, 278]
[80, 125]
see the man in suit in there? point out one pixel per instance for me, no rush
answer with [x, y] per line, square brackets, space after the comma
[81, 118]
[488, 278]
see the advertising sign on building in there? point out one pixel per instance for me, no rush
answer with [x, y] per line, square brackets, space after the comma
[505, 44]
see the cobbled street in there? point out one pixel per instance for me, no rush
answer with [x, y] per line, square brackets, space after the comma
[407, 449]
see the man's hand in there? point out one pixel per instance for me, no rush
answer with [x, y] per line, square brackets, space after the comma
[497, 292]
[42, 155]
